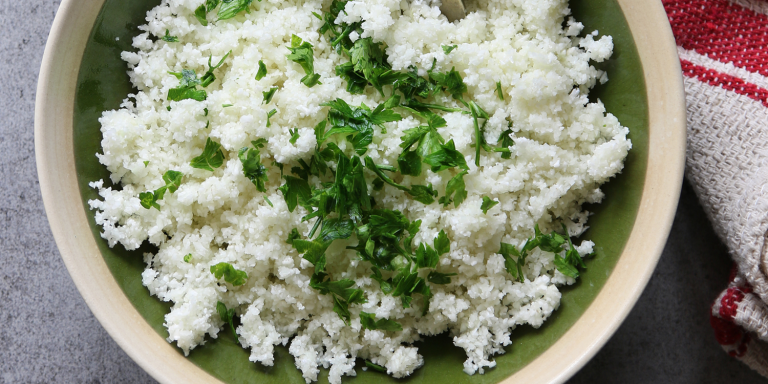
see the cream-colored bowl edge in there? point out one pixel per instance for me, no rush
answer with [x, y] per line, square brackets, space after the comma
[54, 152]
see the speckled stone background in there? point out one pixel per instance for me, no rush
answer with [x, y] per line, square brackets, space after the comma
[48, 335]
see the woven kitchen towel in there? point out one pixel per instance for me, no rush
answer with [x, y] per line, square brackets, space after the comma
[723, 48]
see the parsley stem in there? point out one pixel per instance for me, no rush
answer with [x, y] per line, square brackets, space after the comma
[314, 228]
[477, 137]
[344, 34]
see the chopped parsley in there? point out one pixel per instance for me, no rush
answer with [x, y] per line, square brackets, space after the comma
[231, 274]
[228, 9]
[456, 188]
[208, 77]
[375, 367]
[187, 257]
[487, 204]
[212, 156]
[262, 70]
[253, 169]
[169, 38]
[294, 135]
[499, 92]
[187, 88]
[293, 236]
[227, 105]
[268, 95]
[269, 201]
[269, 115]
[188, 83]
[553, 242]
[358, 122]
[302, 54]
[172, 182]
[368, 321]
[227, 316]
[448, 48]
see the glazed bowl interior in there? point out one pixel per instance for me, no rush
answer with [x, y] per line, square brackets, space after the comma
[629, 227]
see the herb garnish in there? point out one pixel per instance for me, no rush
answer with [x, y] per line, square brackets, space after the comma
[448, 48]
[487, 204]
[227, 316]
[253, 169]
[268, 95]
[368, 321]
[262, 70]
[228, 9]
[169, 38]
[302, 54]
[552, 242]
[212, 156]
[231, 274]
[172, 181]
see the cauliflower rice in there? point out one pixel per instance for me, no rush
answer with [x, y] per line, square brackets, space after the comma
[564, 148]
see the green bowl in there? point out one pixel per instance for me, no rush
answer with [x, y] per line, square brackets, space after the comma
[102, 83]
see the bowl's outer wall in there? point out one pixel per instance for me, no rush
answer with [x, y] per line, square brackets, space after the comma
[102, 84]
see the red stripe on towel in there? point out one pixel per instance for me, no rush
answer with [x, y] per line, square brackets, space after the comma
[727, 82]
[723, 31]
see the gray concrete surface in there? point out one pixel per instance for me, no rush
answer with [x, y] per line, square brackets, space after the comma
[48, 335]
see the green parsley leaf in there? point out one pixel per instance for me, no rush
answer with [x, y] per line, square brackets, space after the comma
[341, 308]
[455, 185]
[253, 169]
[148, 200]
[409, 163]
[447, 157]
[506, 142]
[262, 70]
[172, 180]
[146, 163]
[200, 14]
[212, 156]
[269, 201]
[442, 243]
[334, 229]
[450, 82]
[514, 267]
[269, 115]
[440, 278]
[230, 8]
[227, 316]
[368, 321]
[231, 275]
[268, 95]
[169, 38]
[293, 236]
[208, 77]
[565, 268]
[423, 194]
[293, 190]
[187, 257]
[187, 88]
[313, 251]
[499, 92]
[426, 256]
[227, 105]
[302, 54]
[448, 48]
[487, 204]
